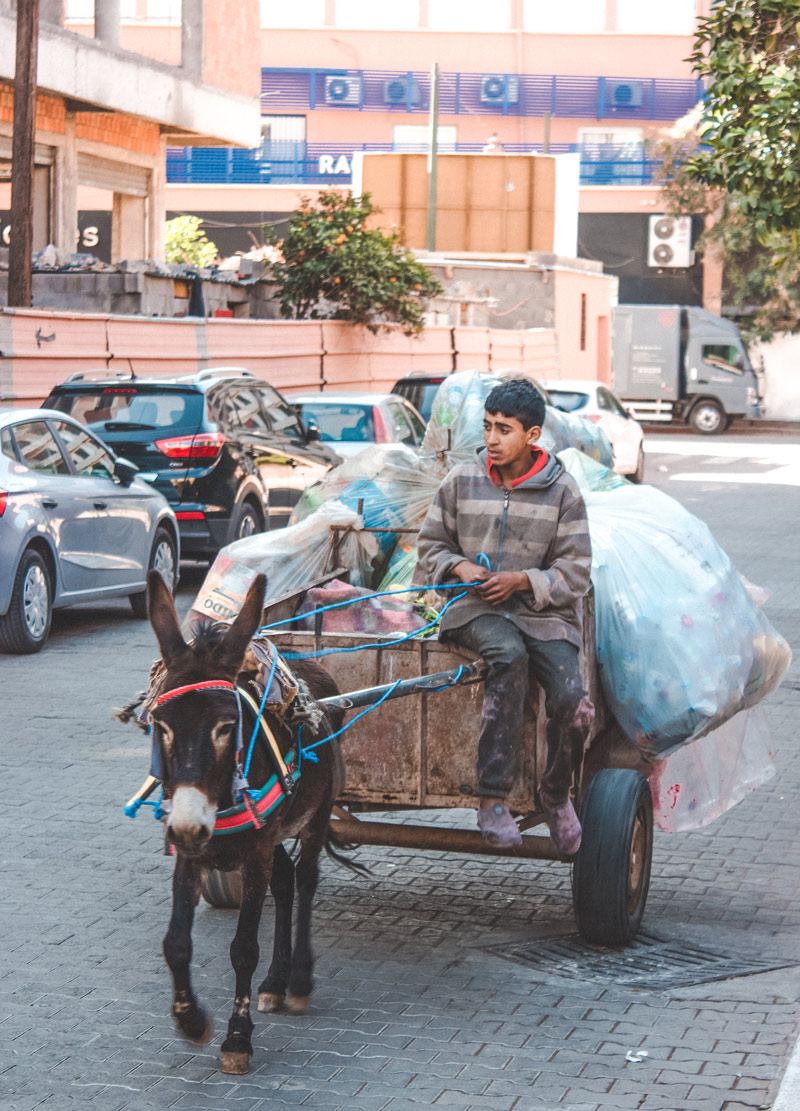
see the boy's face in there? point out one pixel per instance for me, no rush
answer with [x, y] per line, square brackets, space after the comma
[507, 441]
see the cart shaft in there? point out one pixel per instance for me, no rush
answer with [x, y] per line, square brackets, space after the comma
[420, 684]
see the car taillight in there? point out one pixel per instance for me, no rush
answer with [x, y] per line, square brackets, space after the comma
[205, 445]
[3, 501]
[595, 418]
[381, 431]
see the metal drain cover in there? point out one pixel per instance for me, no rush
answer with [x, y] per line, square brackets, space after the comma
[649, 962]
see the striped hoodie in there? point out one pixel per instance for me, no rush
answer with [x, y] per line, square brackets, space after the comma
[539, 527]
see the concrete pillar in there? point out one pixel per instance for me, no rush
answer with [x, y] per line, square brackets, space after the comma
[712, 276]
[157, 205]
[106, 22]
[192, 38]
[128, 238]
[65, 190]
[51, 11]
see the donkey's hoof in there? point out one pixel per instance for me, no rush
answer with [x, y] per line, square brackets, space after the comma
[270, 1002]
[236, 1063]
[195, 1025]
[299, 1004]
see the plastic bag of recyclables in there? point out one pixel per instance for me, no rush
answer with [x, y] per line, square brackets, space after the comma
[291, 558]
[681, 645]
[456, 423]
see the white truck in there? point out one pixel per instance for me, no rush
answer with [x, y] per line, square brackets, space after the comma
[681, 363]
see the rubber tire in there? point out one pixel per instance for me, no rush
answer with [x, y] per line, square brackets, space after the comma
[708, 407]
[15, 635]
[139, 601]
[246, 515]
[223, 889]
[611, 872]
[638, 474]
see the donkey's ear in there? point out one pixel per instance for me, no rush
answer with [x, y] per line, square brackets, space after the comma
[248, 619]
[163, 618]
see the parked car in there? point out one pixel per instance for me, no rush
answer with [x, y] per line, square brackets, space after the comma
[76, 525]
[349, 422]
[230, 455]
[596, 402]
[419, 389]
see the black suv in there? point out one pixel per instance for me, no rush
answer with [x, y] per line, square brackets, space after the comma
[230, 454]
[420, 388]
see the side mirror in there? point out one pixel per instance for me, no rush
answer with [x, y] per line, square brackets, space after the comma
[125, 471]
[312, 432]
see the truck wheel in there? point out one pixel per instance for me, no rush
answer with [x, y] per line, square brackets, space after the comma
[708, 418]
[611, 872]
[223, 889]
[25, 627]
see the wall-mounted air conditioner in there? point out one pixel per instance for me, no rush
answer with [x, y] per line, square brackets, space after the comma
[343, 90]
[396, 91]
[623, 94]
[499, 87]
[669, 241]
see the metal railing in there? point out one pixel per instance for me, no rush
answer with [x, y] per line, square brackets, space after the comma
[277, 163]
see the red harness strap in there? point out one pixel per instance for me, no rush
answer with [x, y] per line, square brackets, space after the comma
[210, 685]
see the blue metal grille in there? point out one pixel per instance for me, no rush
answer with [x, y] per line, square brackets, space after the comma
[331, 163]
[491, 94]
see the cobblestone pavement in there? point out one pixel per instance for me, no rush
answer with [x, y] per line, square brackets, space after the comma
[416, 1004]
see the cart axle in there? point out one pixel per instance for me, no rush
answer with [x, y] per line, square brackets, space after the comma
[356, 832]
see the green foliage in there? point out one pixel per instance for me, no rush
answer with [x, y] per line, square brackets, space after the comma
[335, 266]
[184, 242]
[750, 131]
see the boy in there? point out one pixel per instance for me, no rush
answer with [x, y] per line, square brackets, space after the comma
[516, 505]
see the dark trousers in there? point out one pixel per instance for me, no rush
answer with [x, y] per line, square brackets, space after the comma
[511, 655]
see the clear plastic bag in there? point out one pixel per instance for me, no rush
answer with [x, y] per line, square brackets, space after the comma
[592, 477]
[681, 647]
[291, 558]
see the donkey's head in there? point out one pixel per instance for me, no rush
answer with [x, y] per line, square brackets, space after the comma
[196, 718]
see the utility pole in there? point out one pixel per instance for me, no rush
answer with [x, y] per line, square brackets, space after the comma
[20, 277]
[433, 154]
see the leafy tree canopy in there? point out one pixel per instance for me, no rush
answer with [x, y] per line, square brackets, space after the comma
[185, 242]
[335, 266]
[749, 50]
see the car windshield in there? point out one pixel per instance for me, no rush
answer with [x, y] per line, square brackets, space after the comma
[340, 421]
[569, 401]
[122, 408]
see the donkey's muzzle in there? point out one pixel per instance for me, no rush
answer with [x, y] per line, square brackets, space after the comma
[191, 820]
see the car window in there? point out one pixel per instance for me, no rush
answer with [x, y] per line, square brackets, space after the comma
[604, 401]
[7, 444]
[38, 448]
[403, 429]
[115, 408]
[246, 411]
[88, 456]
[614, 405]
[340, 421]
[724, 356]
[280, 416]
[569, 401]
[417, 424]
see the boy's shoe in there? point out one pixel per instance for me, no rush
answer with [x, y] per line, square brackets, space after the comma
[565, 829]
[498, 827]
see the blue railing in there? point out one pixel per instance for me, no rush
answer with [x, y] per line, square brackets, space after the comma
[285, 163]
[507, 94]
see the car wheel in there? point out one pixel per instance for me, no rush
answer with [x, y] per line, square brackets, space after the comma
[707, 418]
[638, 474]
[246, 522]
[162, 559]
[24, 628]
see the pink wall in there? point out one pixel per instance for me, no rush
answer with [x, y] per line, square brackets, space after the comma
[587, 360]
[296, 354]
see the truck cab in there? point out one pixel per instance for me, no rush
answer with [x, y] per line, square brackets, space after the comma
[681, 363]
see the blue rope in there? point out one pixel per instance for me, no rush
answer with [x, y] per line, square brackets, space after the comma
[262, 704]
[332, 736]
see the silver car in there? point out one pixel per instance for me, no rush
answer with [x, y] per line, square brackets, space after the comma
[76, 525]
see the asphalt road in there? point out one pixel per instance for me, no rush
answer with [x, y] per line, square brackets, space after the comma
[439, 980]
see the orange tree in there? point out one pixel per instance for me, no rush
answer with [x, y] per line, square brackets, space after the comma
[335, 267]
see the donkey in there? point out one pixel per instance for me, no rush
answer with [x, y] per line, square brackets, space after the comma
[197, 730]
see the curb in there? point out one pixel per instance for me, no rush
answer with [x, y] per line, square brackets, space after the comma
[737, 427]
[788, 1097]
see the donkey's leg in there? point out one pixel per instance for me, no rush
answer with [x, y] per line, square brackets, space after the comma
[272, 990]
[190, 1018]
[237, 1047]
[307, 873]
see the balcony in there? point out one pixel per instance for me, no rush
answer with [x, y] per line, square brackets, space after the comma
[490, 94]
[325, 164]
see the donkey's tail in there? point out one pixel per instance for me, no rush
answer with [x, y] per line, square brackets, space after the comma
[335, 848]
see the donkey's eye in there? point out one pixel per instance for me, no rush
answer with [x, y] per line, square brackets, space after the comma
[222, 732]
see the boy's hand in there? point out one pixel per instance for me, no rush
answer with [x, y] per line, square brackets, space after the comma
[469, 573]
[498, 587]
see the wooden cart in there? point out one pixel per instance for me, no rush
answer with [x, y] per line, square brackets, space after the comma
[417, 751]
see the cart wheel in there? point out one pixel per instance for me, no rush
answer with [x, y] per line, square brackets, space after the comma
[611, 872]
[223, 889]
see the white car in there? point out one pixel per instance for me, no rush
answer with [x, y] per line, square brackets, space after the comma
[349, 422]
[595, 402]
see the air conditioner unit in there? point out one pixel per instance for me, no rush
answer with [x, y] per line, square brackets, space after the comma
[497, 87]
[342, 90]
[669, 241]
[624, 94]
[396, 92]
